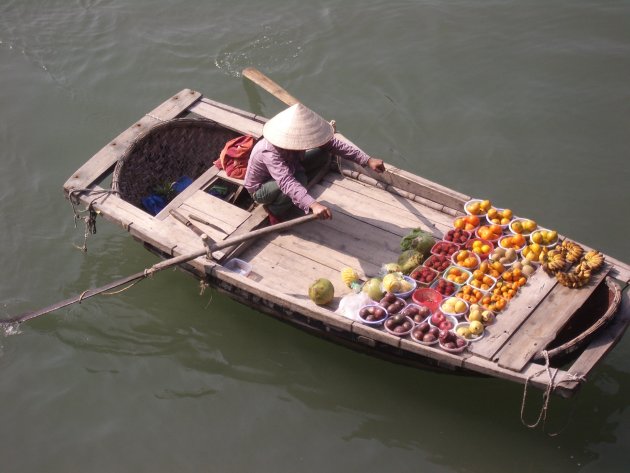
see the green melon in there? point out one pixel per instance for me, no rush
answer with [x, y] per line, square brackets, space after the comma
[321, 291]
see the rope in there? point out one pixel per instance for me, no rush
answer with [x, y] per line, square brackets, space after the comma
[542, 415]
[551, 386]
[129, 286]
[88, 215]
[203, 285]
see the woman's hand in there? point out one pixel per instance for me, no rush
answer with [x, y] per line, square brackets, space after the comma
[376, 164]
[321, 211]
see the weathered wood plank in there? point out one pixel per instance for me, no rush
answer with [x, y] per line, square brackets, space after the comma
[619, 270]
[255, 220]
[434, 352]
[417, 210]
[284, 272]
[106, 158]
[376, 334]
[345, 235]
[233, 121]
[537, 375]
[238, 111]
[365, 179]
[604, 340]
[516, 313]
[411, 183]
[217, 211]
[330, 251]
[180, 198]
[545, 322]
[384, 216]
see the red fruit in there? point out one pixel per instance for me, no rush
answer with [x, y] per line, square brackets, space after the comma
[446, 325]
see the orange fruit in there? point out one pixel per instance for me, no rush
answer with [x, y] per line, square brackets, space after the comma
[473, 220]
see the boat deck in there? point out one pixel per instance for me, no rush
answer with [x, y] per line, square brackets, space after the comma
[369, 219]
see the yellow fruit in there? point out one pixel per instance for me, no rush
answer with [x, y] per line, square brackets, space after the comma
[537, 237]
[529, 225]
[528, 270]
[474, 208]
[488, 317]
[485, 205]
[475, 315]
[464, 332]
[391, 282]
[475, 327]
[507, 213]
[460, 306]
[517, 227]
[348, 276]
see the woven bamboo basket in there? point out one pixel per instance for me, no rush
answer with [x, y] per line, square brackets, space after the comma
[167, 152]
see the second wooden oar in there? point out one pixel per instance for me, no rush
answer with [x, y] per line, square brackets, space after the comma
[18, 319]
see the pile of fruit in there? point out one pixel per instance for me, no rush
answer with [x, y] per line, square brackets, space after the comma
[476, 269]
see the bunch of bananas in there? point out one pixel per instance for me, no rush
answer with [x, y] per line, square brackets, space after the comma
[572, 279]
[585, 264]
[571, 250]
[553, 261]
[594, 259]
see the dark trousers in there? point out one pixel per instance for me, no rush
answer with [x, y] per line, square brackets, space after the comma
[270, 194]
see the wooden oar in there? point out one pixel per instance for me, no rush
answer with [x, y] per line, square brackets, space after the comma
[270, 86]
[18, 319]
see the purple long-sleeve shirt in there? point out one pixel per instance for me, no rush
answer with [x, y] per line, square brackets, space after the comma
[268, 162]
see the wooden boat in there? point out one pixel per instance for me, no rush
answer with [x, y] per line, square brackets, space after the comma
[184, 135]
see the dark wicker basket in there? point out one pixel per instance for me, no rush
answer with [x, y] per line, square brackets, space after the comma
[167, 152]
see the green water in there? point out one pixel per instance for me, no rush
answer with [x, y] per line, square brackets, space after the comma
[525, 103]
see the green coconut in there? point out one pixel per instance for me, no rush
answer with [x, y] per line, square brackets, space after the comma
[321, 291]
[374, 289]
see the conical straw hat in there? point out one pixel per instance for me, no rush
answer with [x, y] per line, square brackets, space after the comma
[298, 128]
